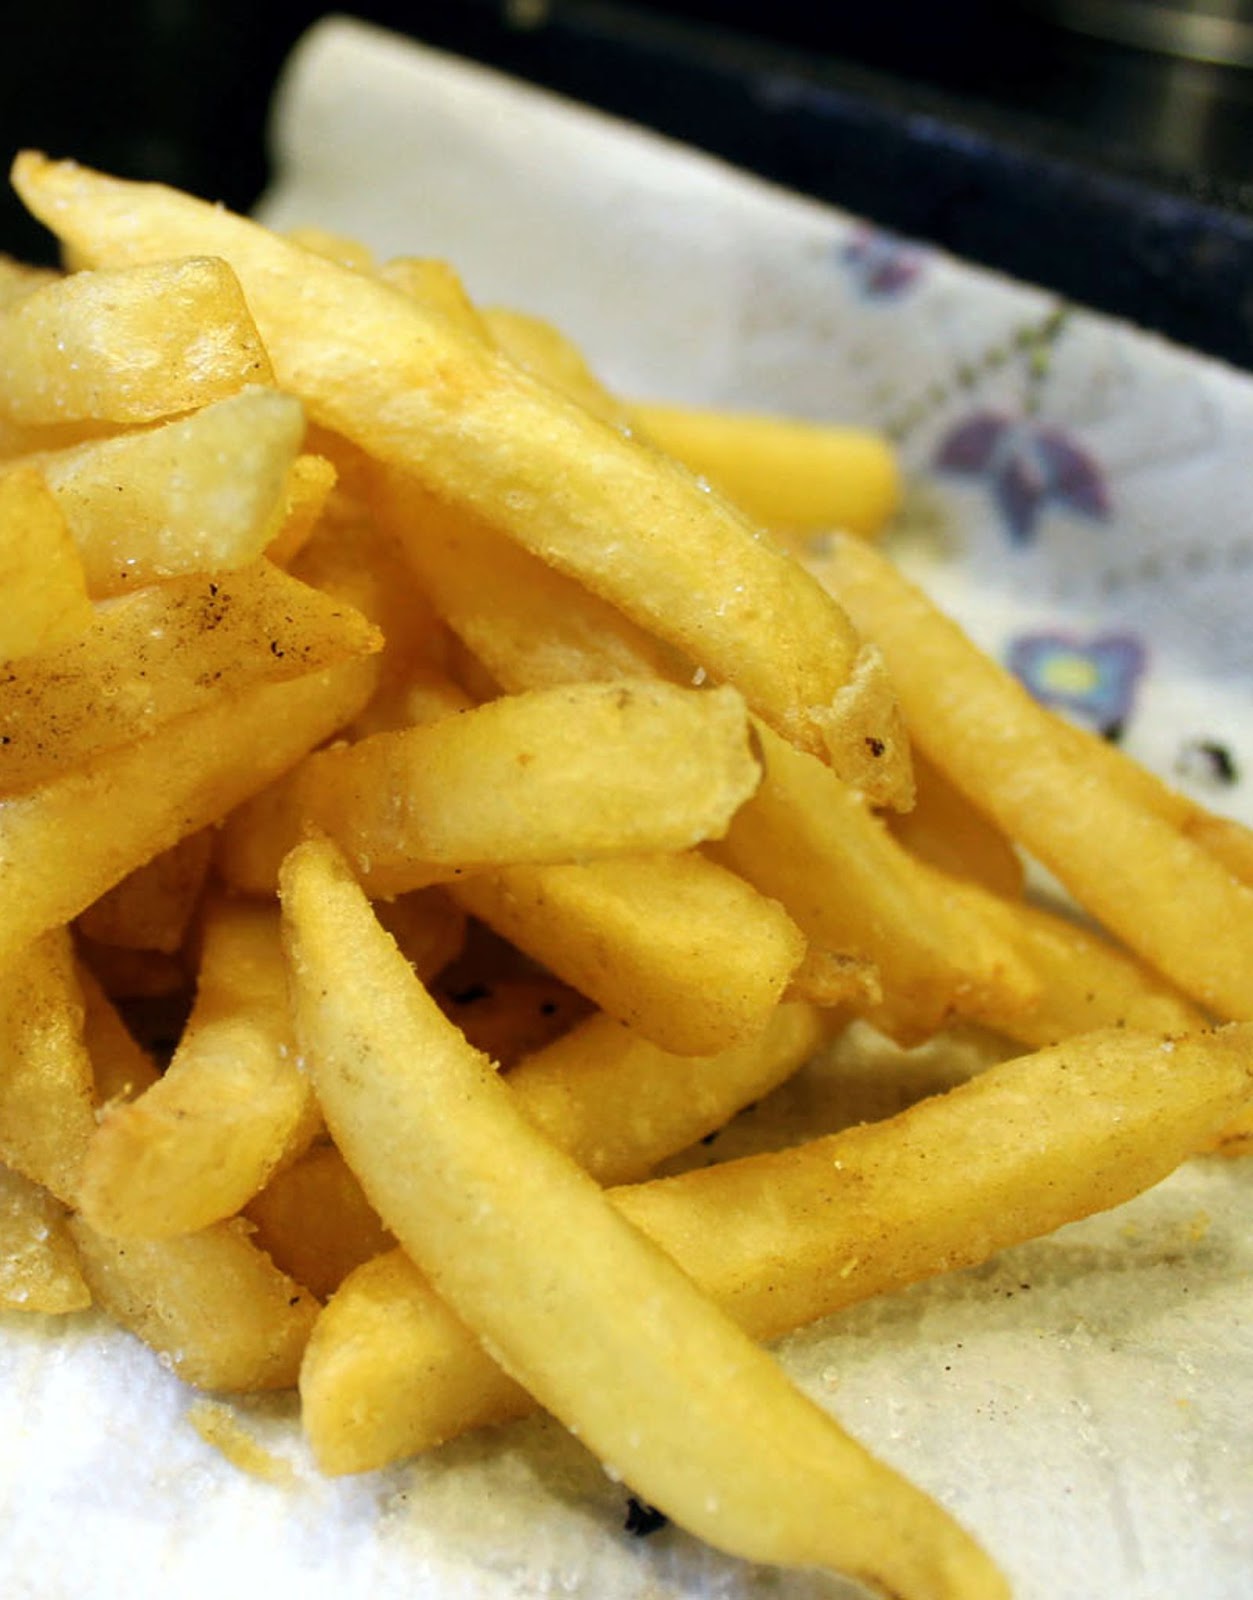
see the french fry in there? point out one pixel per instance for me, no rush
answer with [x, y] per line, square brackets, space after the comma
[947, 832]
[46, 1084]
[310, 480]
[41, 572]
[233, 1105]
[161, 653]
[1161, 893]
[151, 908]
[416, 391]
[39, 1268]
[571, 774]
[781, 1239]
[679, 1402]
[150, 505]
[676, 947]
[59, 859]
[510, 1017]
[427, 926]
[811, 843]
[213, 1306]
[128, 346]
[120, 1067]
[314, 1221]
[544, 351]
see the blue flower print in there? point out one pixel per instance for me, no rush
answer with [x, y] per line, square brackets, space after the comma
[1027, 466]
[882, 265]
[1094, 681]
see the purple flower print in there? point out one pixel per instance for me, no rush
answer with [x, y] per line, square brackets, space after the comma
[1027, 466]
[882, 265]
[1093, 681]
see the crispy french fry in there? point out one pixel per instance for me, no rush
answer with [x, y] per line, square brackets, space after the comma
[128, 346]
[676, 947]
[783, 472]
[687, 1409]
[510, 1017]
[946, 831]
[427, 926]
[161, 653]
[46, 1085]
[39, 1268]
[310, 480]
[233, 1105]
[571, 774]
[418, 392]
[41, 572]
[437, 287]
[1161, 893]
[210, 1304]
[151, 908]
[150, 505]
[543, 350]
[58, 859]
[314, 1221]
[812, 844]
[121, 1067]
[618, 1104]
[783, 1238]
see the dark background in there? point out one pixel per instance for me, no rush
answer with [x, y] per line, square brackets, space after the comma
[1116, 174]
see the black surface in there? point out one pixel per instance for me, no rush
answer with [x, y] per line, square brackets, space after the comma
[1113, 177]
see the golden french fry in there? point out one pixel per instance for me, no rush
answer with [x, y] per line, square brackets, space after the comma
[121, 1068]
[783, 1238]
[1085, 981]
[39, 1268]
[543, 350]
[1160, 892]
[232, 1106]
[437, 287]
[427, 926]
[676, 947]
[509, 1017]
[417, 391]
[618, 1104]
[571, 774]
[161, 653]
[41, 572]
[605, 1332]
[127, 346]
[151, 908]
[46, 1086]
[212, 1305]
[18, 278]
[783, 472]
[153, 504]
[811, 843]
[947, 832]
[310, 480]
[64, 844]
[314, 1221]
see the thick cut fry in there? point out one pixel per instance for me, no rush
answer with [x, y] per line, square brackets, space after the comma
[531, 626]
[946, 831]
[675, 947]
[604, 1331]
[781, 471]
[41, 572]
[314, 1221]
[1085, 981]
[305, 495]
[157, 503]
[809, 841]
[64, 844]
[571, 774]
[121, 1067]
[233, 1104]
[416, 391]
[163, 652]
[46, 1086]
[781, 1239]
[151, 908]
[1161, 893]
[127, 346]
[618, 1104]
[39, 1268]
[210, 1304]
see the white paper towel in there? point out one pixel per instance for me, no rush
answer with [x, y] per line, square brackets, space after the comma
[1080, 496]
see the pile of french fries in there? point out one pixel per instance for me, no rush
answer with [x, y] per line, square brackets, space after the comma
[437, 791]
